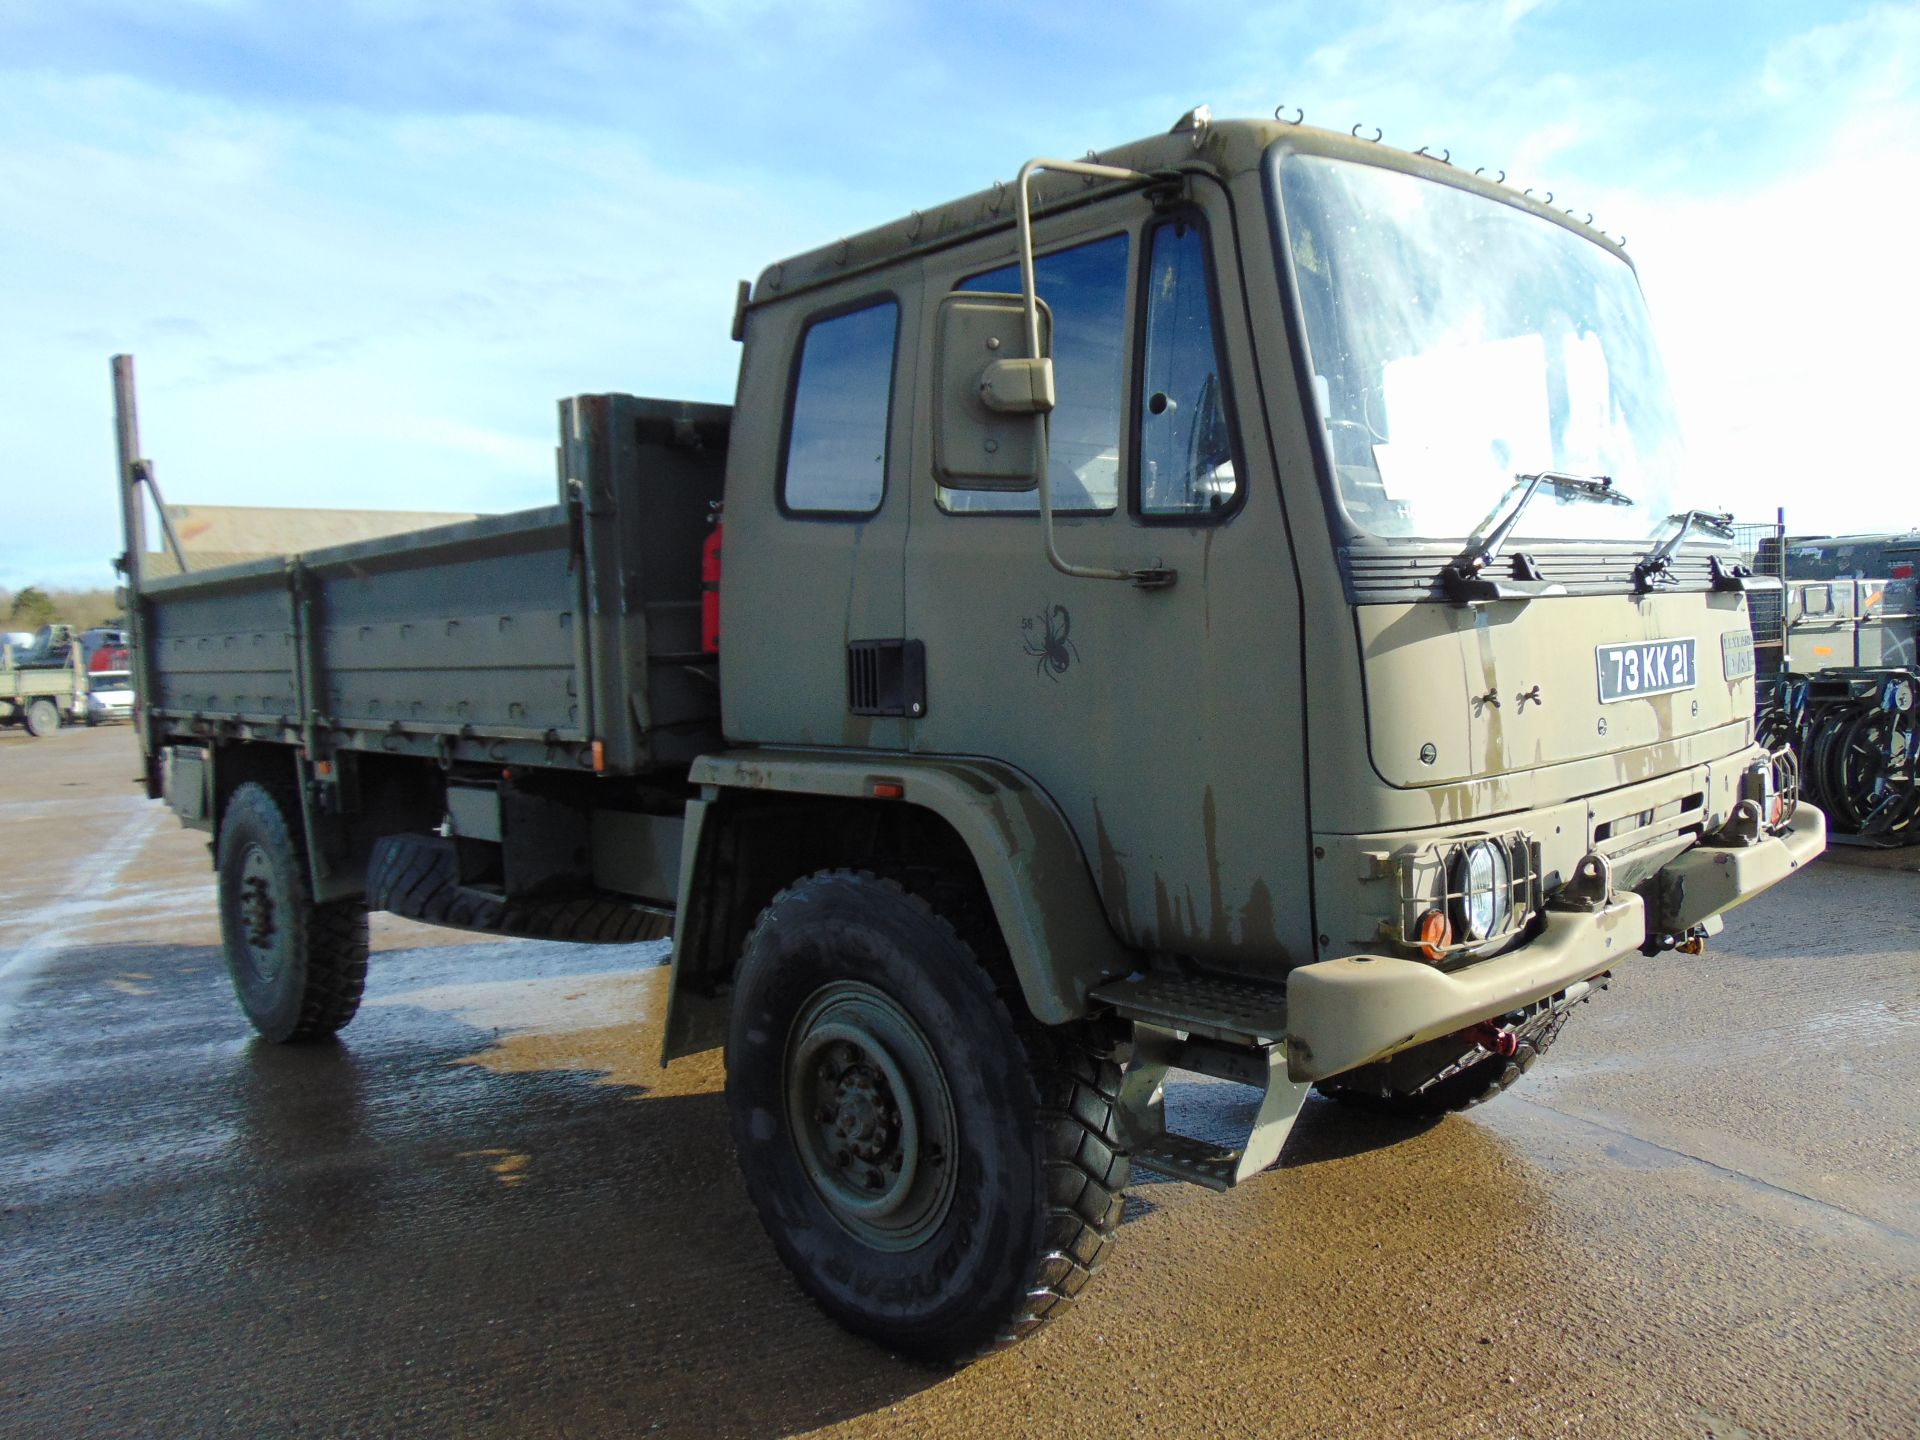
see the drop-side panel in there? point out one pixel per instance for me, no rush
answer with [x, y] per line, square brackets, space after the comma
[481, 634]
[221, 645]
[463, 628]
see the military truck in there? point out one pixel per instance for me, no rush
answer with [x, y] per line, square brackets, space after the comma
[1845, 697]
[44, 684]
[1851, 602]
[1229, 606]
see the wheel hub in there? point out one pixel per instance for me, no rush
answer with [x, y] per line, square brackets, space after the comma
[870, 1115]
[865, 1115]
[259, 919]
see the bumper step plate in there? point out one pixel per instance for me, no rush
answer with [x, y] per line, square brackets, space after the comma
[1226, 1028]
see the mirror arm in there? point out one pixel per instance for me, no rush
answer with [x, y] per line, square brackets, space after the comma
[1153, 577]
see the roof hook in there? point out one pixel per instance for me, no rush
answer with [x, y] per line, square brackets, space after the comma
[1196, 122]
[1549, 197]
[999, 194]
[1377, 133]
[1499, 179]
[1299, 115]
[1445, 157]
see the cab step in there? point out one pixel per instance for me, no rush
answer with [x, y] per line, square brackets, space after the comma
[1230, 1010]
[1223, 1027]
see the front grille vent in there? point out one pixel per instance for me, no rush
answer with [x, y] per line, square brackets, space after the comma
[1651, 825]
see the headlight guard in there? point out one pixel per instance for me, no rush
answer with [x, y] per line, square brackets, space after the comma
[1487, 887]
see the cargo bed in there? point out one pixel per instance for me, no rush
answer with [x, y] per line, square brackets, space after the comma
[565, 636]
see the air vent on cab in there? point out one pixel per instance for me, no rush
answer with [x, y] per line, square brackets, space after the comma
[887, 677]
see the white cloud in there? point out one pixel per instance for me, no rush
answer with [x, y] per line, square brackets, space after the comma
[335, 307]
[380, 244]
[1790, 319]
[1794, 339]
[1871, 59]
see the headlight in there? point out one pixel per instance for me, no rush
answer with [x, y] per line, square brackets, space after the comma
[1480, 890]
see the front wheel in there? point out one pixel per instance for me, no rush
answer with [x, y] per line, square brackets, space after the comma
[43, 718]
[940, 1174]
[297, 967]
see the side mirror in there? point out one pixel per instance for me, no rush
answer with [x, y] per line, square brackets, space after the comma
[990, 396]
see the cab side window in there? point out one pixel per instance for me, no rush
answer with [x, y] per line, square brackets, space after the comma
[1185, 448]
[1086, 289]
[836, 458]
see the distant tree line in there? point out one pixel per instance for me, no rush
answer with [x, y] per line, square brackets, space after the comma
[31, 607]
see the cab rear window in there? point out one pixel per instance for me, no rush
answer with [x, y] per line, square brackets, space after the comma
[836, 456]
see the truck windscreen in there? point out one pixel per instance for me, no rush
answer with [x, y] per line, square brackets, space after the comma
[1456, 341]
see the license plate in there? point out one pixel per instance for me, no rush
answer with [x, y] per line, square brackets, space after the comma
[1631, 672]
[1736, 654]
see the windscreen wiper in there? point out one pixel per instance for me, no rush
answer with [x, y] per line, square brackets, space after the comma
[1466, 579]
[1657, 568]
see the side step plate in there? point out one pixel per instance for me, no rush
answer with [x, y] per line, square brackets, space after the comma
[1235, 1012]
[1144, 1114]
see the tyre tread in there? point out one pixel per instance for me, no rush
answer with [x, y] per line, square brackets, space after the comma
[1076, 1089]
[416, 881]
[337, 942]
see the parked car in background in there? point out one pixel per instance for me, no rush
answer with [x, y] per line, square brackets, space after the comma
[109, 688]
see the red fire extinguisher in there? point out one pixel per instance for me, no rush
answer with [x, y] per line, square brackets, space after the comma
[710, 589]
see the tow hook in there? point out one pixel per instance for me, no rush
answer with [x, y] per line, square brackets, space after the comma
[1687, 942]
[1491, 1037]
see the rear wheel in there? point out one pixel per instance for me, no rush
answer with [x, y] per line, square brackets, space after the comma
[43, 717]
[939, 1174]
[297, 967]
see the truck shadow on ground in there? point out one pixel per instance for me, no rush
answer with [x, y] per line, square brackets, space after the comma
[379, 1234]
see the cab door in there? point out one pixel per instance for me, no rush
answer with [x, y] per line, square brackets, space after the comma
[823, 431]
[1164, 722]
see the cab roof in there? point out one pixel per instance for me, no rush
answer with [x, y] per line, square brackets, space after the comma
[1222, 149]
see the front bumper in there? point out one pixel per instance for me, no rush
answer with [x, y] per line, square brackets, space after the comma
[1356, 1009]
[1708, 880]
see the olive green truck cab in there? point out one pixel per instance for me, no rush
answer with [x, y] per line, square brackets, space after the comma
[1231, 605]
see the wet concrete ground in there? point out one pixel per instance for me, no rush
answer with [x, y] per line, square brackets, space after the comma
[488, 1212]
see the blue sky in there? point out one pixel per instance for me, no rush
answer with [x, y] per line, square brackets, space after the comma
[360, 249]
